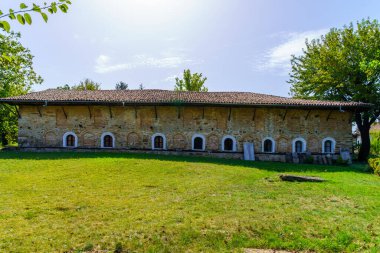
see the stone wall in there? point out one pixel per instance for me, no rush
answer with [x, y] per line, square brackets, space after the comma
[133, 127]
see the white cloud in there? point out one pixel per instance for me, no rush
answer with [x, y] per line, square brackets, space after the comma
[278, 57]
[103, 63]
[171, 79]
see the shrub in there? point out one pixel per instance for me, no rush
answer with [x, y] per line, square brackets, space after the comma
[88, 247]
[374, 164]
[375, 143]
[118, 248]
[309, 160]
[340, 161]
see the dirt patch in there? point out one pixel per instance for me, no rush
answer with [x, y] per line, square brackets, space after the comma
[266, 251]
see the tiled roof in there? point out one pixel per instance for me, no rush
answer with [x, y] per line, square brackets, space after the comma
[166, 97]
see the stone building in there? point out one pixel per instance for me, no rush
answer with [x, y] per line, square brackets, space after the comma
[204, 123]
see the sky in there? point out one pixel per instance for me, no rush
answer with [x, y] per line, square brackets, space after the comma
[239, 45]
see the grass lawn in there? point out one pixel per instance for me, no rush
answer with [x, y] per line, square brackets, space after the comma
[57, 202]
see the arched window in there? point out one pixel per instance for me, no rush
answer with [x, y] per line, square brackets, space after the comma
[228, 143]
[328, 145]
[158, 141]
[299, 145]
[198, 142]
[268, 145]
[107, 140]
[70, 140]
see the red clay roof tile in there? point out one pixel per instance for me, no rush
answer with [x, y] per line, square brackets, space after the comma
[161, 97]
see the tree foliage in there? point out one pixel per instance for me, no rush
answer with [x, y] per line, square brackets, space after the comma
[16, 78]
[22, 15]
[121, 86]
[190, 82]
[343, 65]
[86, 84]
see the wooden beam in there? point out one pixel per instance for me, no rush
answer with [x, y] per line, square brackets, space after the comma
[64, 112]
[39, 111]
[155, 112]
[110, 109]
[328, 116]
[18, 112]
[307, 115]
[229, 114]
[254, 114]
[89, 111]
[286, 112]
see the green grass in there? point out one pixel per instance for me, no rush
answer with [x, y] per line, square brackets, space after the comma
[57, 202]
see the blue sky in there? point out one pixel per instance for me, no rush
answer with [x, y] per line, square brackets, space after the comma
[240, 45]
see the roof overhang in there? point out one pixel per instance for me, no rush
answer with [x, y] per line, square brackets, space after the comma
[362, 107]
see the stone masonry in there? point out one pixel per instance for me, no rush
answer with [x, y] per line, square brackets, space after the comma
[133, 126]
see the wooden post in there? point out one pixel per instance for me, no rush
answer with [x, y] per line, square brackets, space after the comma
[64, 112]
[39, 111]
[110, 109]
[286, 112]
[328, 116]
[89, 110]
[307, 115]
[155, 112]
[254, 114]
[229, 114]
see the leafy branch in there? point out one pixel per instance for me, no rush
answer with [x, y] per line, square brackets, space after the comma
[23, 17]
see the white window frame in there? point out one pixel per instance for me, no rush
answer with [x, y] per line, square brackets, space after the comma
[273, 145]
[233, 143]
[102, 139]
[203, 143]
[64, 140]
[304, 147]
[164, 141]
[333, 144]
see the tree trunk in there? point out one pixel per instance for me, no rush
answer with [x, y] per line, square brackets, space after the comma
[365, 146]
[3, 139]
[363, 122]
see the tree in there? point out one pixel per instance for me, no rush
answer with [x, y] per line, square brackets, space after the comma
[64, 87]
[86, 84]
[22, 15]
[16, 78]
[190, 82]
[343, 65]
[121, 86]
[141, 87]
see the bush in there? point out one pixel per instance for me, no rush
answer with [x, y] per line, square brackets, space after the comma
[374, 164]
[375, 143]
[309, 160]
[88, 247]
[340, 161]
[118, 248]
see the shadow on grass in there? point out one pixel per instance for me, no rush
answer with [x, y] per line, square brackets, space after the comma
[269, 166]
